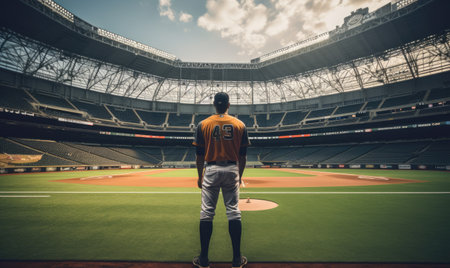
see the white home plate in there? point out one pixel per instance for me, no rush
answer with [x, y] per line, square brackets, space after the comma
[248, 204]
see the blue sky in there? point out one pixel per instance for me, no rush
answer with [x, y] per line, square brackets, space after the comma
[217, 30]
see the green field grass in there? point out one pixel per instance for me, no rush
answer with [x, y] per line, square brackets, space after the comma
[251, 172]
[396, 223]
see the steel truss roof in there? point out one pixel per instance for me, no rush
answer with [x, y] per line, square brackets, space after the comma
[415, 21]
[409, 61]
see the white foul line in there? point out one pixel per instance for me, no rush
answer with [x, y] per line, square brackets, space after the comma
[282, 193]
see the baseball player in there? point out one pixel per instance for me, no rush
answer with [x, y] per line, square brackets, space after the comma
[221, 140]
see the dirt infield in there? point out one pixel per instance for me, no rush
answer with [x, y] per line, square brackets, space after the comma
[317, 179]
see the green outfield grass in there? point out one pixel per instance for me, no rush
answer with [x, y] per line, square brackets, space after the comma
[87, 222]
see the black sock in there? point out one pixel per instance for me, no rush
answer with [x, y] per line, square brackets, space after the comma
[206, 228]
[235, 229]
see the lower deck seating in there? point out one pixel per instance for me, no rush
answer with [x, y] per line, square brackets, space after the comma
[137, 154]
[9, 147]
[53, 153]
[351, 153]
[109, 153]
[437, 153]
[391, 153]
[67, 152]
[174, 154]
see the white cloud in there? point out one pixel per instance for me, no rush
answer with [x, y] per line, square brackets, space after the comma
[185, 17]
[278, 25]
[225, 16]
[241, 23]
[165, 9]
[261, 28]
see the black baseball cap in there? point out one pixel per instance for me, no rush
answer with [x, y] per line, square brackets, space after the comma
[221, 99]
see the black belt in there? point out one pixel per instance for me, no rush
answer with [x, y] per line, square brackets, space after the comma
[221, 162]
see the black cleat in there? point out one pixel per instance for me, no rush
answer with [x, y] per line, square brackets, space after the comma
[198, 263]
[241, 263]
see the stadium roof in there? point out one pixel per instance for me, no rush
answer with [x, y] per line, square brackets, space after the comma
[362, 34]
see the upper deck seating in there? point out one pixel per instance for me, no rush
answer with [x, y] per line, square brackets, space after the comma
[294, 118]
[200, 117]
[341, 121]
[372, 105]
[393, 115]
[403, 100]
[94, 110]
[52, 101]
[320, 112]
[124, 114]
[354, 108]
[438, 93]
[247, 120]
[15, 99]
[152, 118]
[436, 109]
[181, 120]
[274, 119]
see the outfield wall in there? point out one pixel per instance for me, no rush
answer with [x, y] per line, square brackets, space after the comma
[24, 169]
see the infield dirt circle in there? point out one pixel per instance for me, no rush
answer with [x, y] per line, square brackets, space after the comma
[317, 179]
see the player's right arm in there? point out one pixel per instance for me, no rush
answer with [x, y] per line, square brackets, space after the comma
[242, 162]
[200, 161]
[243, 153]
[199, 143]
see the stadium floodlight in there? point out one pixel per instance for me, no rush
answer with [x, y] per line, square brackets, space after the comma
[135, 44]
[401, 4]
[58, 9]
[294, 47]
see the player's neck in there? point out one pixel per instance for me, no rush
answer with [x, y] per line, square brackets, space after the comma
[224, 113]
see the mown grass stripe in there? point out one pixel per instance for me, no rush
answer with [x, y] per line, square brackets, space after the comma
[242, 192]
[23, 196]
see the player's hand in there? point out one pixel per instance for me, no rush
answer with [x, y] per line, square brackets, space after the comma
[199, 183]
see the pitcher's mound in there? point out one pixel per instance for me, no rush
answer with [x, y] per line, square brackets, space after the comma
[248, 204]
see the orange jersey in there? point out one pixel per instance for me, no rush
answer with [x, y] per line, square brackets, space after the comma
[222, 136]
